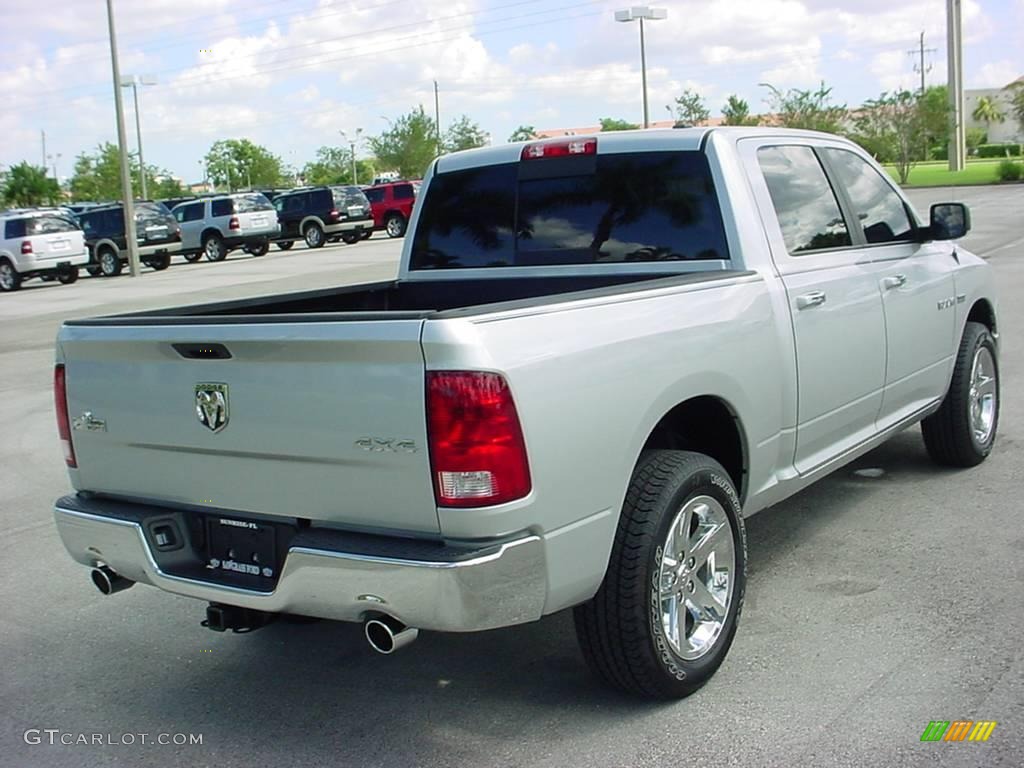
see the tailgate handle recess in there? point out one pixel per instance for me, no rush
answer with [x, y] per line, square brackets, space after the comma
[202, 351]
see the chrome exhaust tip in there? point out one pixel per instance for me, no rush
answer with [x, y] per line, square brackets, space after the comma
[386, 635]
[108, 581]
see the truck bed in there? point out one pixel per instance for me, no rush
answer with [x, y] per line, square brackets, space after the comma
[406, 300]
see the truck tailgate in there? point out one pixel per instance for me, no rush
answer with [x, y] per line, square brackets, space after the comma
[324, 420]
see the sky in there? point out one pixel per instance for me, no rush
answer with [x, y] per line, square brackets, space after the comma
[291, 74]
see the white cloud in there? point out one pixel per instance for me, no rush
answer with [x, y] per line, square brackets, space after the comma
[996, 74]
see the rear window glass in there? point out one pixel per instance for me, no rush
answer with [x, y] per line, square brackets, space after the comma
[632, 207]
[250, 203]
[349, 196]
[46, 225]
[150, 213]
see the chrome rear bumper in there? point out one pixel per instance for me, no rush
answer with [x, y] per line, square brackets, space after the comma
[499, 585]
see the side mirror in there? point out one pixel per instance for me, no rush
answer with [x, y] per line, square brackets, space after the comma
[949, 221]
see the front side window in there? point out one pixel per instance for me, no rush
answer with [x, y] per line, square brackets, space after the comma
[804, 202]
[880, 210]
[629, 207]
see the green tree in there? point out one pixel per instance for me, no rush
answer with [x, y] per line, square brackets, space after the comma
[808, 109]
[27, 185]
[975, 137]
[690, 109]
[408, 146]
[737, 112]
[239, 163]
[333, 165]
[933, 105]
[463, 133]
[97, 176]
[523, 133]
[164, 186]
[614, 124]
[1017, 102]
[987, 111]
[890, 128]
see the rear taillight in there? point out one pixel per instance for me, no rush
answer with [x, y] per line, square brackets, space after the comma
[26, 246]
[60, 400]
[334, 215]
[568, 148]
[233, 224]
[477, 451]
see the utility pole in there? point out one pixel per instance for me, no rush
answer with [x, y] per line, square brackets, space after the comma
[437, 118]
[122, 145]
[43, 134]
[920, 67]
[352, 147]
[955, 63]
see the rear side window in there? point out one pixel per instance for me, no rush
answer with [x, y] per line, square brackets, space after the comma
[880, 210]
[14, 228]
[251, 203]
[375, 195]
[404, 192]
[804, 202]
[193, 212]
[222, 207]
[632, 207]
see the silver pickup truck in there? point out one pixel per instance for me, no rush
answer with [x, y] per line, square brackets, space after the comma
[600, 354]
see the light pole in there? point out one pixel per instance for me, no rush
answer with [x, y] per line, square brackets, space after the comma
[134, 82]
[352, 145]
[53, 161]
[642, 12]
[122, 144]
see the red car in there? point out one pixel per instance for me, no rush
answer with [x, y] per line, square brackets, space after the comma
[391, 204]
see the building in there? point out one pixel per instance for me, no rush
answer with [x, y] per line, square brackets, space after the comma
[1010, 129]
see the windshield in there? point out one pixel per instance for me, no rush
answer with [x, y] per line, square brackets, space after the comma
[650, 206]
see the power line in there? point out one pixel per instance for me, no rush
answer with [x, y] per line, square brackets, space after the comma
[920, 67]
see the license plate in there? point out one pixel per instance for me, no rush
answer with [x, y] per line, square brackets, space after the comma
[156, 233]
[355, 210]
[259, 221]
[60, 245]
[240, 547]
[158, 251]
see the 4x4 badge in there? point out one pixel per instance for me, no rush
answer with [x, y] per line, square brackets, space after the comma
[212, 405]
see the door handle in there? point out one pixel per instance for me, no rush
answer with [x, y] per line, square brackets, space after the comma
[896, 281]
[812, 299]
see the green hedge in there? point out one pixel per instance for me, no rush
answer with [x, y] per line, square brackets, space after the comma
[1010, 171]
[999, 150]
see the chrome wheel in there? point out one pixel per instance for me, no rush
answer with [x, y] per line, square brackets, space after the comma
[982, 400]
[8, 277]
[214, 249]
[696, 577]
[110, 264]
[314, 236]
[395, 226]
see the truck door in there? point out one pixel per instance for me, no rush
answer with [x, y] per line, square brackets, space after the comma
[834, 298]
[917, 287]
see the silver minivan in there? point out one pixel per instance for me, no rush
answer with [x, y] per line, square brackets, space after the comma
[216, 225]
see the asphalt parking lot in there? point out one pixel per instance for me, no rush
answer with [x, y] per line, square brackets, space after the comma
[876, 603]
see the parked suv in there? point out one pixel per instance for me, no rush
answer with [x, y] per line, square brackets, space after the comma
[319, 214]
[217, 225]
[392, 205]
[39, 243]
[156, 232]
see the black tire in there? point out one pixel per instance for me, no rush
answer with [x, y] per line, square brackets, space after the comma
[620, 630]
[192, 258]
[949, 434]
[93, 270]
[395, 224]
[350, 238]
[161, 262]
[10, 280]
[110, 262]
[367, 235]
[258, 249]
[314, 235]
[67, 276]
[213, 248]
[286, 245]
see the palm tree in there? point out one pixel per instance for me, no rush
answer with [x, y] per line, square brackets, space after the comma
[987, 111]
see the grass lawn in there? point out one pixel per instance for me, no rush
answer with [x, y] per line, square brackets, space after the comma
[937, 174]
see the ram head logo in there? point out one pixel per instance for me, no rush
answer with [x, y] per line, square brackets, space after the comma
[212, 405]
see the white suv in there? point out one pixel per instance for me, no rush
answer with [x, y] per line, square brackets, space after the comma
[216, 225]
[39, 243]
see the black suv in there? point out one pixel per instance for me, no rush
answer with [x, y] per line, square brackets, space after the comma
[157, 233]
[319, 214]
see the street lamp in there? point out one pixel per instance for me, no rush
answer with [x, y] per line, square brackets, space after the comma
[53, 161]
[352, 144]
[133, 81]
[642, 12]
